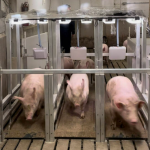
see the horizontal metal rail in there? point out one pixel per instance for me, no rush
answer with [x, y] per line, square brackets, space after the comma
[74, 71]
[93, 54]
[127, 3]
[5, 100]
[88, 54]
[54, 17]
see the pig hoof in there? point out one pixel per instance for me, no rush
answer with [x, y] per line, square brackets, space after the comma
[82, 115]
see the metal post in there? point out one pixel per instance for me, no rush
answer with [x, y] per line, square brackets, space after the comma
[25, 52]
[51, 108]
[58, 49]
[9, 63]
[54, 49]
[143, 55]
[1, 110]
[50, 44]
[18, 51]
[138, 51]
[149, 110]
[102, 107]
[98, 40]
[117, 32]
[46, 92]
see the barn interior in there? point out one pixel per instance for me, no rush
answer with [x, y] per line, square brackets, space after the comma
[55, 126]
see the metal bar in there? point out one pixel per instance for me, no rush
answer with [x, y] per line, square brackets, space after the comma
[117, 32]
[97, 106]
[54, 17]
[6, 99]
[143, 55]
[1, 111]
[74, 71]
[126, 3]
[46, 93]
[13, 109]
[54, 41]
[51, 108]
[78, 34]
[25, 53]
[9, 63]
[8, 37]
[90, 54]
[102, 106]
[18, 51]
[50, 44]
[149, 110]
[58, 49]
[138, 51]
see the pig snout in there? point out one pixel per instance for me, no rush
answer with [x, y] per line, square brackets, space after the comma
[134, 122]
[29, 117]
[76, 105]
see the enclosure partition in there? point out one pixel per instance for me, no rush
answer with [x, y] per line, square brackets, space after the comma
[54, 81]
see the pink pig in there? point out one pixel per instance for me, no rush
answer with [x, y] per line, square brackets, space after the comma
[32, 92]
[77, 91]
[105, 50]
[125, 43]
[86, 63]
[68, 63]
[125, 102]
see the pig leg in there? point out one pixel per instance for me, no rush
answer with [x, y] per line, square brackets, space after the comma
[82, 109]
[113, 124]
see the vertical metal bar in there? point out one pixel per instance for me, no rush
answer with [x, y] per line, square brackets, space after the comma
[1, 110]
[102, 106]
[50, 44]
[58, 48]
[51, 108]
[9, 63]
[25, 52]
[138, 51]
[149, 110]
[18, 51]
[8, 37]
[46, 93]
[78, 34]
[117, 32]
[54, 56]
[97, 107]
[98, 40]
[143, 55]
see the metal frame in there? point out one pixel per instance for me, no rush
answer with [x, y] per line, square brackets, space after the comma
[51, 81]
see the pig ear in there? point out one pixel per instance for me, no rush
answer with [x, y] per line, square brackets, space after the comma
[120, 105]
[88, 64]
[68, 82]
[20, 98]
[33, 93]
[140, 104]
[103, 49]
[82, 84]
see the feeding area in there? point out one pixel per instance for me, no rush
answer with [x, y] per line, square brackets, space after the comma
[99, 94]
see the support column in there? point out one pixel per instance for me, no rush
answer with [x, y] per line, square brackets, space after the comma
[9, 63]
[99, 83]
[1, 110]
[51, 108]
[149, 110]
[18, 51]
[143, 55]
[46, 102]
[138, 51]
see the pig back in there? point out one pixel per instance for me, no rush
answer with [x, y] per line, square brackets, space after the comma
[119, 86]
[33, 81]
[68, 63]
[76, 80]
